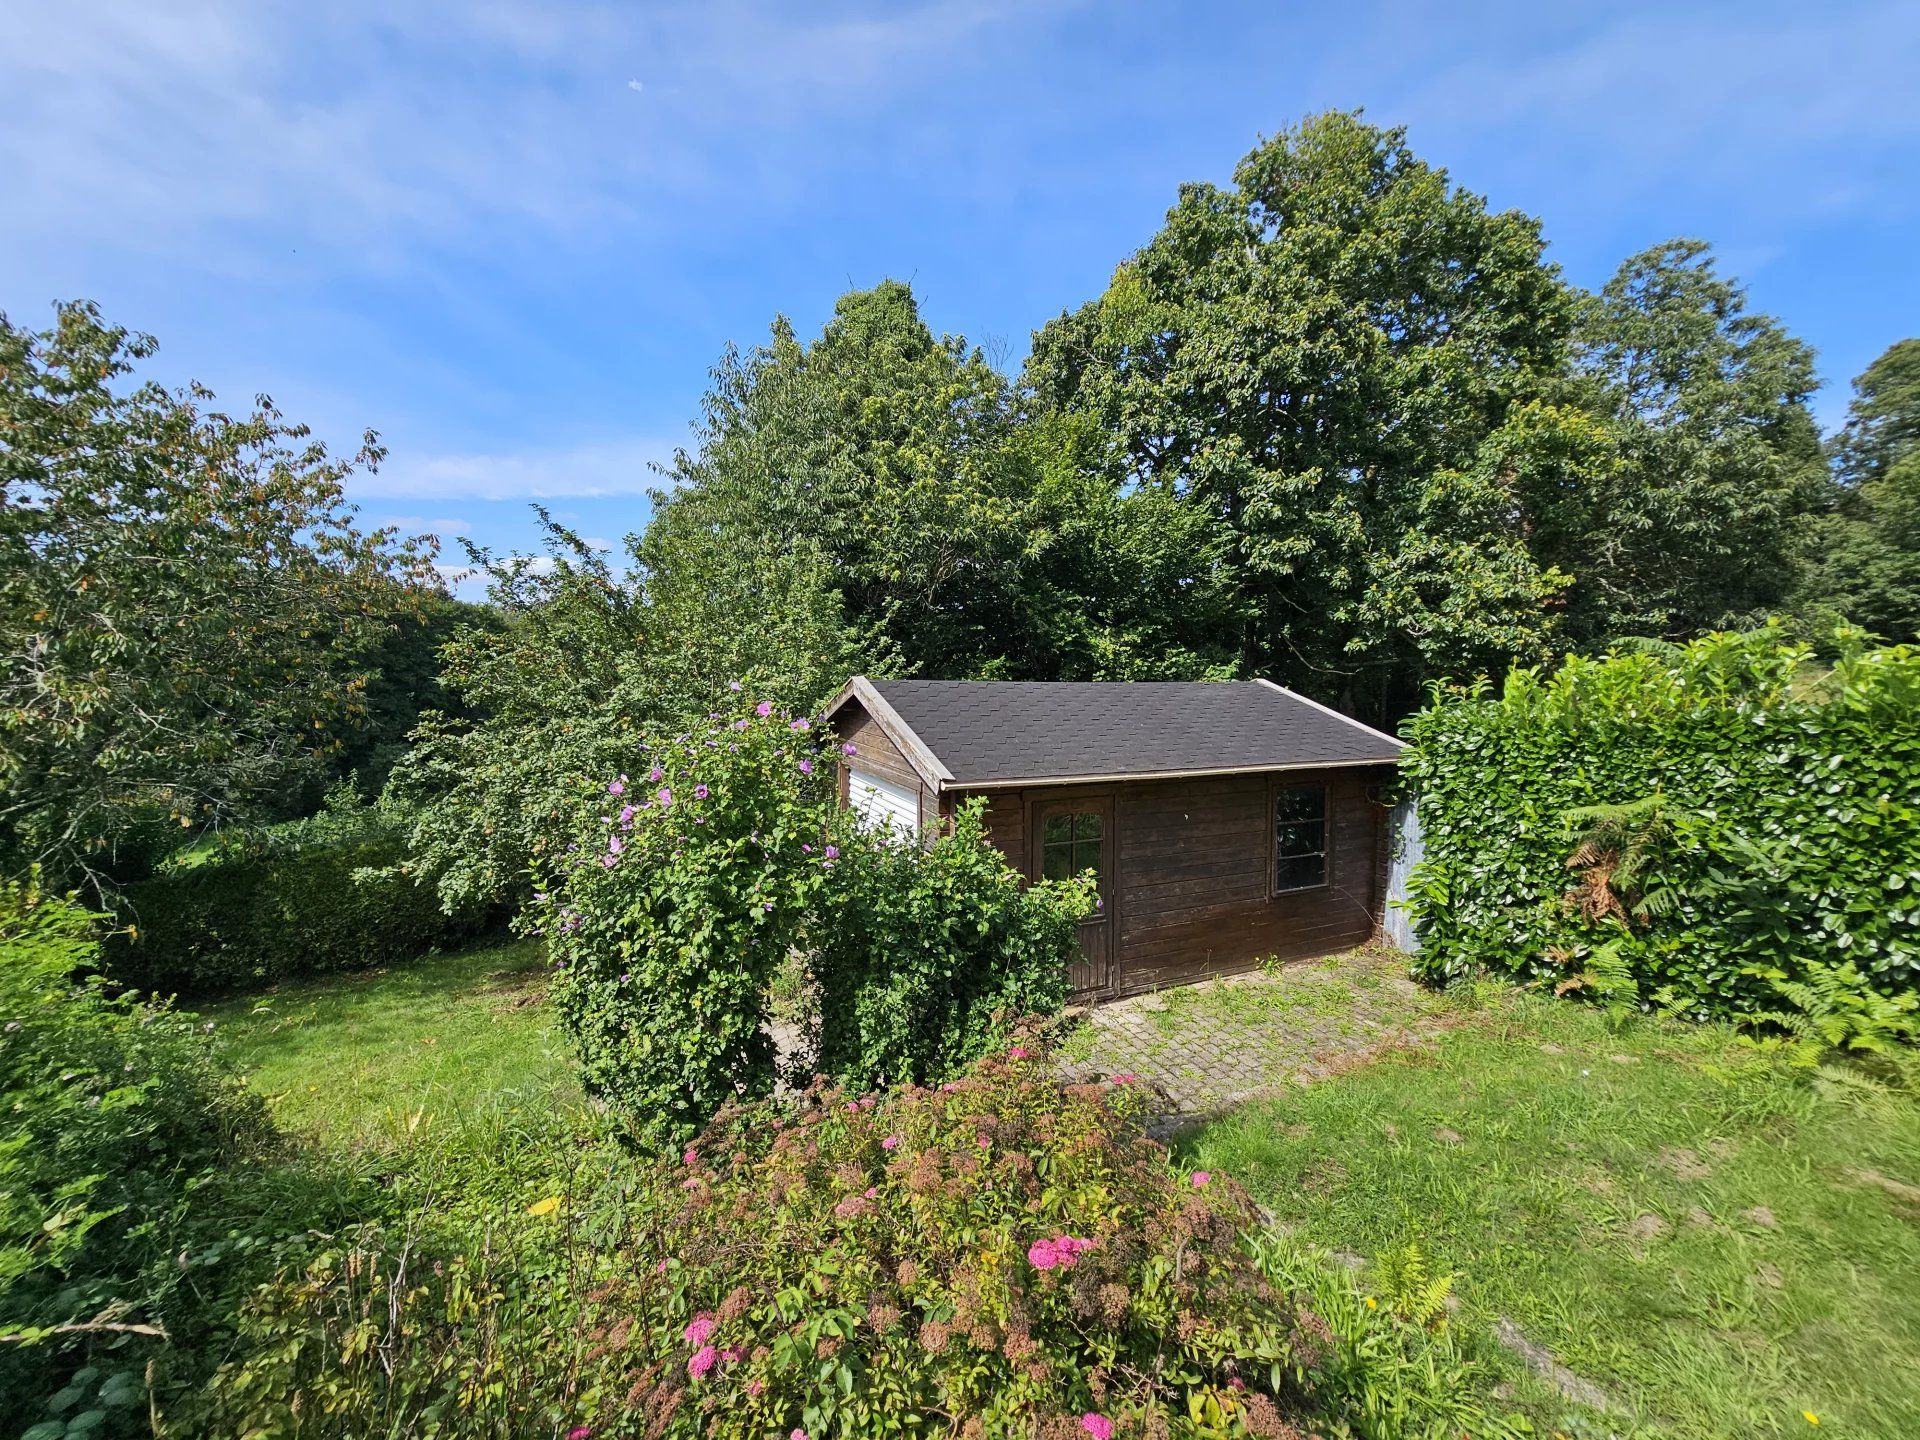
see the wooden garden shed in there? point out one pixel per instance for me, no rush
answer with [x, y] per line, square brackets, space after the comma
[1225, 823]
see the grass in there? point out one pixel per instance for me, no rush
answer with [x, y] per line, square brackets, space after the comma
[1716, 1239]
[377, 1056]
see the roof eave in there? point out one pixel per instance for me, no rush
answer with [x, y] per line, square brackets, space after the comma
[1025, 782]
[1393, 740]
[925, 763]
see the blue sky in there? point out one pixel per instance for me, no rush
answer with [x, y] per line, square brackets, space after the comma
[513, 237]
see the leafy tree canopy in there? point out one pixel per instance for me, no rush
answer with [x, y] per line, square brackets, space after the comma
[1866, 548]
[1317, 360]
[966, 537]
[1689, 519]
[1883, 422]
[1419, 452]
[185, 602]
[582, 661]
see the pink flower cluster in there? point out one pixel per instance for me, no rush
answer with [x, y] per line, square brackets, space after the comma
[699, 1332]
[1098, 1426]
[1059, 1252]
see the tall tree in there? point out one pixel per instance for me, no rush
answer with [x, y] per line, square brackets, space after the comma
[1689, 517]
[185, 602]
[577, 664]
[1883, 421]
[1316, 361]
[403, 683]
[1865, 550]
[879, 445]
[963, 538]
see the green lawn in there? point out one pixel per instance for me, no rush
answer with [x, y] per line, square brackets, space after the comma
[1717, 1241]
[380, 1055]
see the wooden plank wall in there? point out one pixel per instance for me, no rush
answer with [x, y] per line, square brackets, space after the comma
[1195, 859]
[877, 755]
[1192, 872]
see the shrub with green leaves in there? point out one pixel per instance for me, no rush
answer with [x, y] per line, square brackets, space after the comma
[139, 1180]
[331, 892]
[922, 952]
[1697, 823]
[718, 855]
[994, 1256]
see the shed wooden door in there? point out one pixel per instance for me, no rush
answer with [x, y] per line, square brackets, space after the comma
[1071, 836]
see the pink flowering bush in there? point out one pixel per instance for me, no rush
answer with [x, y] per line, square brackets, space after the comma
[1022, 1262]
[674, 910]
[1019, 1259]
[717, 854]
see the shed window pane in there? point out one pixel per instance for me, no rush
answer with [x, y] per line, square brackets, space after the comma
[1300, 838]
[1070, 845]
[1301, 802]
[1301, 872]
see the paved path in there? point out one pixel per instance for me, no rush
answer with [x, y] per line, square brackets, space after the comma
[1204, 1048]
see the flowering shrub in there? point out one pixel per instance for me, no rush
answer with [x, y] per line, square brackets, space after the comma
[671, 915]
[923, 950]
[718, 853]
[993, 1256]
[994, 1249]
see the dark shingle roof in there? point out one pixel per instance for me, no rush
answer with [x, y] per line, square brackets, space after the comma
[985, 732]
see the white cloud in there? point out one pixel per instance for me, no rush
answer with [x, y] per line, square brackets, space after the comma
[365, 129]
[420, 525]
[619, 467]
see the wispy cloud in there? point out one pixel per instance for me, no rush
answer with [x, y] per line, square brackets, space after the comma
[618, 467]
[1722, 99]
[421, 525]
[366, 127]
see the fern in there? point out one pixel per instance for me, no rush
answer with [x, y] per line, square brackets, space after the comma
[1409, 1290]
[1834, 1010]
[1605, 975]
[1616, 849]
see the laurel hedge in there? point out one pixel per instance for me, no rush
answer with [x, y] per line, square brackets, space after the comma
[335, 891]
[1773, 806]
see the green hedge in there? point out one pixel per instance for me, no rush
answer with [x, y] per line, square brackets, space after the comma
[332, 892]
[1778, 809]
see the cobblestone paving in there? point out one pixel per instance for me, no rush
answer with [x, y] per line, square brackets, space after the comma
[1205, 1048]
